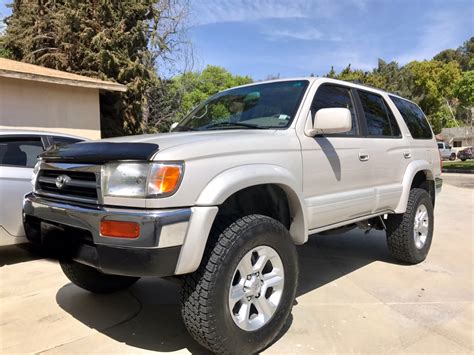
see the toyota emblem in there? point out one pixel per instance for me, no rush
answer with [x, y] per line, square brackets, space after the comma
[62, 180]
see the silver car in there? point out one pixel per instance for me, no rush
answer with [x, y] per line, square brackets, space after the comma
[19, 150]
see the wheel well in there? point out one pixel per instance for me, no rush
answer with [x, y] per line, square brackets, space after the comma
[268, 200]
[423, 181]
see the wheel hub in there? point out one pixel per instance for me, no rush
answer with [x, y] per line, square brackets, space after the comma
[256, 288]
[253, 285]
[421, 226]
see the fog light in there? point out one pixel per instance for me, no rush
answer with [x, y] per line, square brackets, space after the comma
[119, 229]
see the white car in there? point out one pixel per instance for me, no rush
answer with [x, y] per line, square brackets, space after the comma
[19, 150]
[446, 152]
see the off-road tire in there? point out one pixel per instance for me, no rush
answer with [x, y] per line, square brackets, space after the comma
[93, 280]
[400, 233]
[452, 157]
[205, 308]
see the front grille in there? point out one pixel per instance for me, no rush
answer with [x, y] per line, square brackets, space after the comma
[76, 184]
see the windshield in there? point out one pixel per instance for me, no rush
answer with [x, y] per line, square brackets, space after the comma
[260, 106]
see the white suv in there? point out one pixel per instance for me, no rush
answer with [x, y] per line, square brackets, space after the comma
[222, 201]
[445, 151]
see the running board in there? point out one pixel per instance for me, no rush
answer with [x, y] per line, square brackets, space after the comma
[344, 223]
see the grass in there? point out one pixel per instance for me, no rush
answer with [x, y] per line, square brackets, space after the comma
[464, 165]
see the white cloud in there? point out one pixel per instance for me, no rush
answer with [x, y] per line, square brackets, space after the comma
[305, 34]
[216, 11]
[302, 33]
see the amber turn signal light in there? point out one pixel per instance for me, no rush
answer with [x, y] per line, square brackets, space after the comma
[165, 179]
[119, 229]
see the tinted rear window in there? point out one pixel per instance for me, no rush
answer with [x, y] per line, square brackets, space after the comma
[414, 118]
[379, 118]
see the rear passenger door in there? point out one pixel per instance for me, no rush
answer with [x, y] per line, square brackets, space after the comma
[388, 152]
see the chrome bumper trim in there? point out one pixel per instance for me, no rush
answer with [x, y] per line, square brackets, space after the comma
[158, 228]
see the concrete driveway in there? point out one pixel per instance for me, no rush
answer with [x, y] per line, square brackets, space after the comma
[353, 298]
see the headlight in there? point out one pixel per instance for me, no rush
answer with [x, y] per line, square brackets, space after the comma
[141, 179]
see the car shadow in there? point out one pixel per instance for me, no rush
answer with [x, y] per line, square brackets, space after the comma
[147, 316]
[19, 253]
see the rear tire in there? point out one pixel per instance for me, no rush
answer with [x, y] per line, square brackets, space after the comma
[409, 235]
[209, 292]
[93, 280]
[452, 157]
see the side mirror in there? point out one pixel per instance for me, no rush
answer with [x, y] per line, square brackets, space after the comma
[329, 120]
[173, 126]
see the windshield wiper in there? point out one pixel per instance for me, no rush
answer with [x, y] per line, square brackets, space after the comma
[237, 124]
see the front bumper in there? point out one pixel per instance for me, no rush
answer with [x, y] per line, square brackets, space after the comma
[72, 231]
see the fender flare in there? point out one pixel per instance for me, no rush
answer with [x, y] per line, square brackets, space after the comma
[237, 178]
[412, 169]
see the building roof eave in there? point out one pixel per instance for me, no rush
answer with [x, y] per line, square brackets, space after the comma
[25, 71]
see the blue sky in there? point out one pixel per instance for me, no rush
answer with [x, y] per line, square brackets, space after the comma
[300, 37]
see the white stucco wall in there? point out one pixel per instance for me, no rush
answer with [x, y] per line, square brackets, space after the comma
[26, 104]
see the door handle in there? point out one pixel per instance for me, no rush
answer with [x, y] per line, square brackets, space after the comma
[363, 156]
[407, 155]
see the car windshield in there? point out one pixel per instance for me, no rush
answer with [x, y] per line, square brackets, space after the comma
[260, 106]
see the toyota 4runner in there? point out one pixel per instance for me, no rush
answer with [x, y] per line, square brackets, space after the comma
[222, 200]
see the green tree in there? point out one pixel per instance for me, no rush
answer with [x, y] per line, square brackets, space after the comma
[4, 52]
[463, 55]
[464, 90]
[464, 93]
[434, 83]
[331, 74]
[107, 39]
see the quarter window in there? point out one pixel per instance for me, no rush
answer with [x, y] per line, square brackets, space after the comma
[330, 96]
[20, 152]
[380, 120]
[414, 118]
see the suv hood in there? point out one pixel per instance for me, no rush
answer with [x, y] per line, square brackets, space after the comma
[177, 145]
[169, 140]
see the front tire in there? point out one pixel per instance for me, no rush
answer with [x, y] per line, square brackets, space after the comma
[241, 296]
[93, 280]
[409, 235]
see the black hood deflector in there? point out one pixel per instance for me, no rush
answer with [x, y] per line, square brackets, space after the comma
[99, 152]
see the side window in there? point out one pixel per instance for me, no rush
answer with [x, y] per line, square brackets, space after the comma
[330, 96]
[414, 118]
[440, 145]
[20, 152]
[379, 118]
[65, 140]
